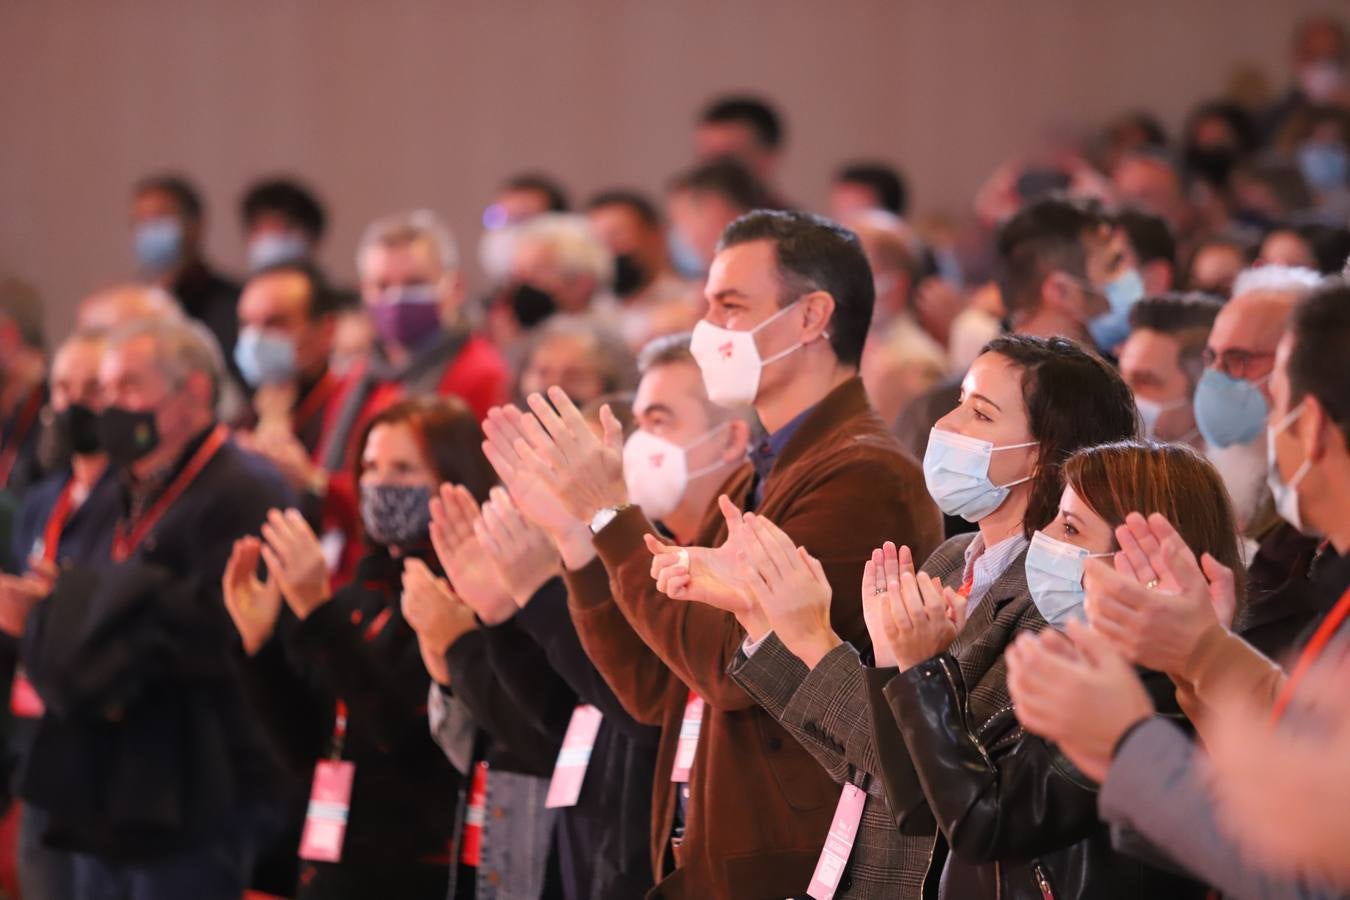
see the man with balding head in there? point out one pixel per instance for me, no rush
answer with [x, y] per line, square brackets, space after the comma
[145, 762]
[1232, 404]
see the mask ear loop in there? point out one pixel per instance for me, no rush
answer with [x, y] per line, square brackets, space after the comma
[1030, 476]
[711, 467]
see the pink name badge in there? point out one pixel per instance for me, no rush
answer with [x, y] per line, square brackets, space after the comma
[570, 770]
[329, 800]
[838, 843]
[688, 744]
[24, 701]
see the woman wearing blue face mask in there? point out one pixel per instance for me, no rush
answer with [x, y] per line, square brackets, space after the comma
[1027, 404]
[337, 678]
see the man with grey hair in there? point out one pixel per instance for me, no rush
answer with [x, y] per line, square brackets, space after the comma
[1232, 404]
[410, 283]
[146, 763]
[558, 264]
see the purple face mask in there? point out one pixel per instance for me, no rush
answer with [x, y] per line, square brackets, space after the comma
[408, 315]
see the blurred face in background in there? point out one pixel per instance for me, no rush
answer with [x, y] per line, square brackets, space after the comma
[713, 140]
[568, 360]
[700, 217]
[628, 235]
[1150, 363]
[1214, 268]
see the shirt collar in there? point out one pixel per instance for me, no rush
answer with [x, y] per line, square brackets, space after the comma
[771, 447]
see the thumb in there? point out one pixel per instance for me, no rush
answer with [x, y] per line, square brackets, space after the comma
[1222, 589]
[612, 428]
[730, 511]
[655, 546]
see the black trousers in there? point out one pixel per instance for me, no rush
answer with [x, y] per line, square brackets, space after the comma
[347, 881]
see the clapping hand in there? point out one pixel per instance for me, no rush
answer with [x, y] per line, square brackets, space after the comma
[534, 494]
[472, 574]
[560, 448]
[1157, 602]
[790, 588]
[295, 561]
[522, 554]
[715, 576]
[254, 605]
[20, 593]
[1079, 694]
[911, 617]
[437, 616]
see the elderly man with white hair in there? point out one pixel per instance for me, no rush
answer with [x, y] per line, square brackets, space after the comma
[1232, 403]
[145, 762]
[556, 264]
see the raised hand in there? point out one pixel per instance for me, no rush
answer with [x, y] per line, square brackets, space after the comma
[532, 493]
[1079, 694]
[20, 593]
[709, 575]
[1158, 602]
[254, 605]
[435, 614]
[296, 562]
[790, 588]
[920, 620]
[523, 555]
[472, 575]
[284, 450]
[586, 471]
[881, 579]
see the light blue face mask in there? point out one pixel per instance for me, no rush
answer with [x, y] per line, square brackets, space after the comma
[1228, 410]
[275, 248]
[956, 471]
[1111, 328]
[1055, 578]
[1325, 165]
[264, 357]
[684, 258]
[158, 244]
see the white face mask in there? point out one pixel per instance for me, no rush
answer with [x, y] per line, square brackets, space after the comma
[656, 470]
[1286, 492]
[1151, 411]
[730, 362]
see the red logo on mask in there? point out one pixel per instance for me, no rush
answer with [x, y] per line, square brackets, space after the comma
[726, 349]
[657, 459]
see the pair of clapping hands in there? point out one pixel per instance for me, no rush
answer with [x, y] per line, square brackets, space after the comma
[1150, 607]
[769, 583]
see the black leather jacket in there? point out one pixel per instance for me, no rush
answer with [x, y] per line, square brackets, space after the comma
[1016, 819]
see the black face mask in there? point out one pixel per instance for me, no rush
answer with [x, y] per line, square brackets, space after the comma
[79, 429]
[629, 275]
[531, 305]
[1213, 164]
[126, 436]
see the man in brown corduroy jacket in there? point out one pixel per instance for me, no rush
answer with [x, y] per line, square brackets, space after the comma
[758, 806]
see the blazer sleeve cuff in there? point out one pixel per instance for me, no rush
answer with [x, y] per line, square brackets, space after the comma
[771, 675]
[589, 587]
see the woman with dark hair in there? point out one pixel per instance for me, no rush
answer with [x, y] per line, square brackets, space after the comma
[336, 677]
[996, 460]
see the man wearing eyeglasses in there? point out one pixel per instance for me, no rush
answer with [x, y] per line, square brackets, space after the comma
[1232, 403]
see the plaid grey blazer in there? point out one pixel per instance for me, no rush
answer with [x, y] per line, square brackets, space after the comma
[829, 709]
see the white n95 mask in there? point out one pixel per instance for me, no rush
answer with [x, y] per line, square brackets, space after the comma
[729, 360]
[656, 471]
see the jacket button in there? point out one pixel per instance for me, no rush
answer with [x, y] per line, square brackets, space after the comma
[775, 744]
[845, 883]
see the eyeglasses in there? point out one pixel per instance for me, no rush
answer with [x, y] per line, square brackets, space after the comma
[1236, 363]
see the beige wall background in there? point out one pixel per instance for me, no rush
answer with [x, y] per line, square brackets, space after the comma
[385, 104]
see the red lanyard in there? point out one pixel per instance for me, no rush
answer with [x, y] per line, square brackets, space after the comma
[1325, 632]
[339, 728]
[313, 402]
[23, 423]
[56, 522]
[125, 544]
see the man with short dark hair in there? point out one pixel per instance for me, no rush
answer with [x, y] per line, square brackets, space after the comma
[655, 299]
[861, 186]
[1155, 249]
[703, 201]
[284, 222]
[745, 811]
[742, 127]
[168, 231]
[1162, 360]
